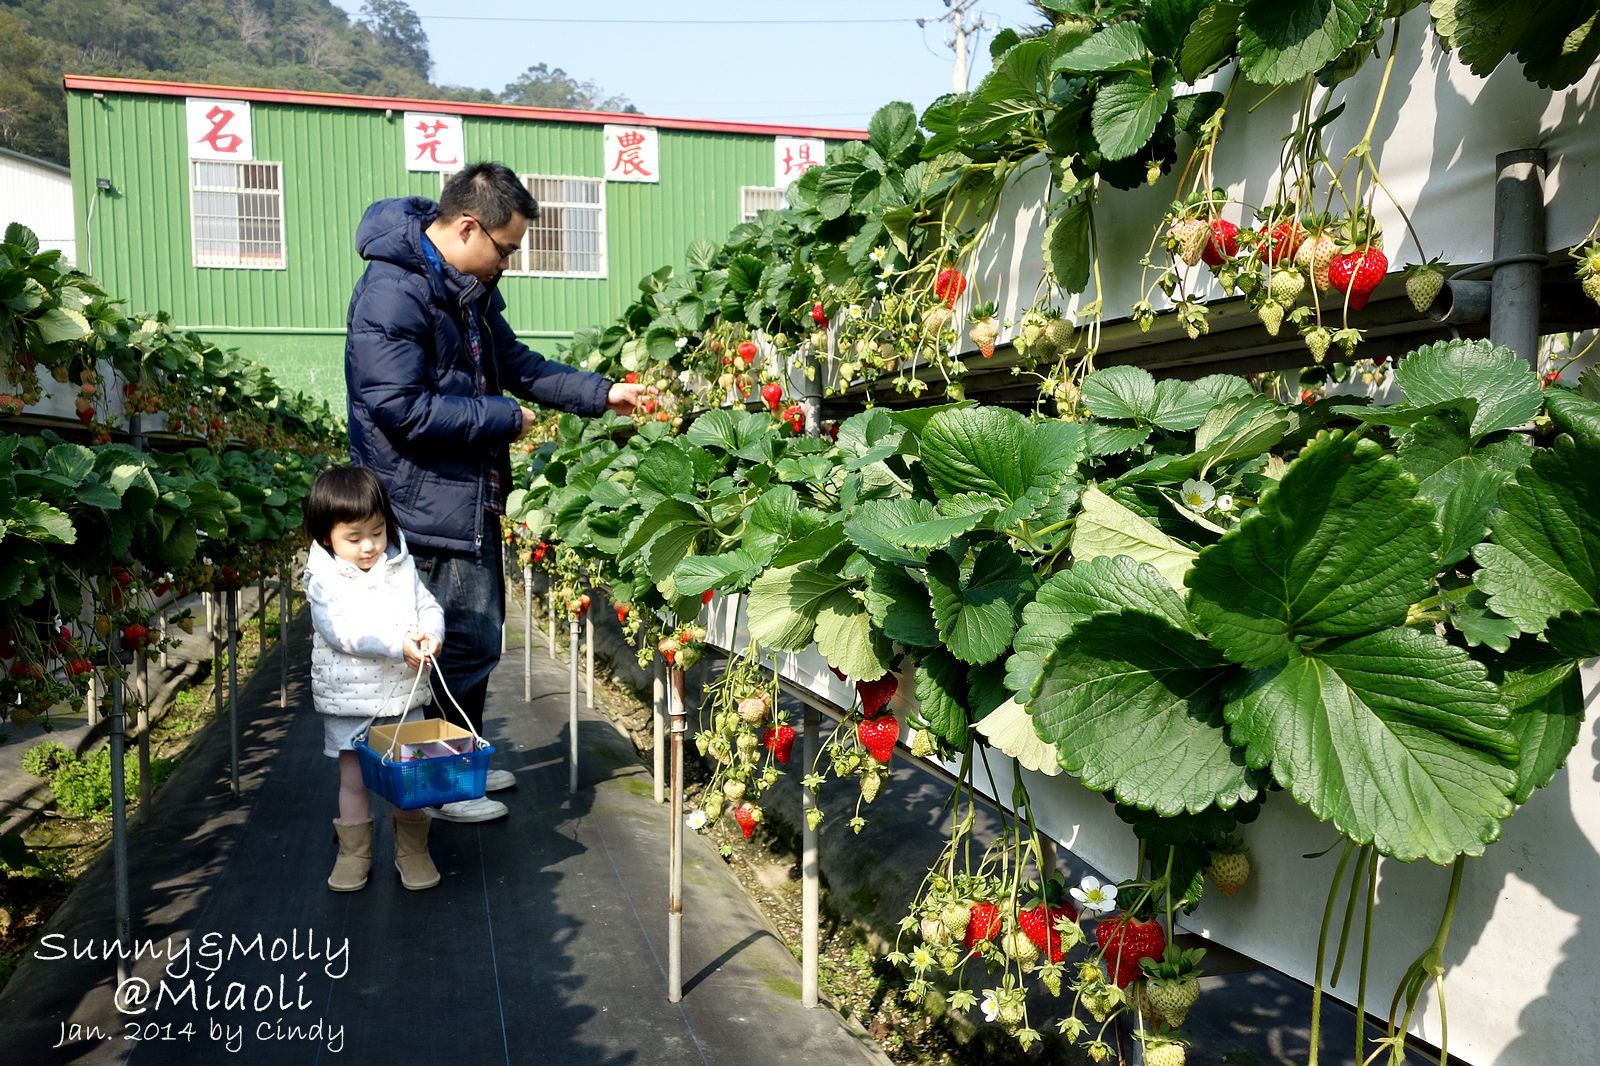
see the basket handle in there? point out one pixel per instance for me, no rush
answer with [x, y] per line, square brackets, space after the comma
[416, 680]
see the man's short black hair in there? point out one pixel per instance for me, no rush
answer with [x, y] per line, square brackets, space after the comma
[488, 192]
[346, 493]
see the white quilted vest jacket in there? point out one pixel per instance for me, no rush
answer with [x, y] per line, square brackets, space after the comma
[360, 619]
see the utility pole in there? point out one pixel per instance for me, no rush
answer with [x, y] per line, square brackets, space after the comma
[960, 31]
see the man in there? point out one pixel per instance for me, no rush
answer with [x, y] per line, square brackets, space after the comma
[427, 355]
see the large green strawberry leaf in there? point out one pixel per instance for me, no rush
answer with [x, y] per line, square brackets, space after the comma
[1542, 686]
[868, 437]
[695, 574]
[1103, 585]
[941, 688]
[785, 603]
[995, 452]
[664, 471]
[1504, 386]
[1464, 514]
[1342, 545]
[937, 532]
[1283, 42]
[1106, 527]
[1572, 412]
[870, 526]
[1131, 392]
[900, 607]
[1133, 705]
[977, 611]
[1396, 737]
[726, 430]
[846, 639]
[769, 522]
[1009, 727]
[1440, 451]
[1211, 41]
[1127, 106]
[1543, 556]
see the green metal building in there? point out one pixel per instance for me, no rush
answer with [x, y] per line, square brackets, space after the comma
[235, 209]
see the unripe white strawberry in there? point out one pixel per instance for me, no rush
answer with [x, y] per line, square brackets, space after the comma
[984, 333]
[1286, 285]
[1271, 315]
[1187, 239]
[1229, 870]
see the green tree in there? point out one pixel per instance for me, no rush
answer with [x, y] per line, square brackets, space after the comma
[399, 34]
[540, 86]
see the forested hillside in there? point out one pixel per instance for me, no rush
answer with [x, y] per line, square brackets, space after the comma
[294, 44]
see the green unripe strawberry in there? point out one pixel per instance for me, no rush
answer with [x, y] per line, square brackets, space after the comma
[1229, 870]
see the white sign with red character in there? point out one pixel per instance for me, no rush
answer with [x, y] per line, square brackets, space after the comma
[631, 154]
[793, 156]
[219, 129]
[433, 142]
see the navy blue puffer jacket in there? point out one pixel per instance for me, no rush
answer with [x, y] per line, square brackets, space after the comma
[419, 416]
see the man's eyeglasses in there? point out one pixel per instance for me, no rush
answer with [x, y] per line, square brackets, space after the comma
[505, 251]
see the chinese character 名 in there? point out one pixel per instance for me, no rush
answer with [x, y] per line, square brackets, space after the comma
[797, 163]
[628, 161]
[431, 143]
[219, 141]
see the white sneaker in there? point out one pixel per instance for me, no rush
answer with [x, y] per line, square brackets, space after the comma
[499, 779]
[482, 809]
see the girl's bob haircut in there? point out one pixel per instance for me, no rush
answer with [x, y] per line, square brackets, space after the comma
[347, 493]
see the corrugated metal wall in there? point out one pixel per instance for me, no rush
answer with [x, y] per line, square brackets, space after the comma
[336, 160]
[39, 196]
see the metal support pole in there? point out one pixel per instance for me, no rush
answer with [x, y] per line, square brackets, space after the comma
[550, 598]
[572, 719]
[261, 614]
[680, 725]
[1519, 229]
[283, 636]
[233, 686]
[119, 828]
[658, 697]
[588, 651]
[211, 622]
[527, 633]
[810, 868]
[141, 673]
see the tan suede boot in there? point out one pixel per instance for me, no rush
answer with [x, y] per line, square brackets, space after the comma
[411, 853]
[355, 856]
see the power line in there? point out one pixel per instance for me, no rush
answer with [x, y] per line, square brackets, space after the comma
[661, 22]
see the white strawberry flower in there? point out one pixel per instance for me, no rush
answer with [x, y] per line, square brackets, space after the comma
[991, 1005]
[695, 820]
[855, 311]
[1094, 896]
[1197, 495]
[876, 255]
[1225, 502]
[883, 286]
[680, 342]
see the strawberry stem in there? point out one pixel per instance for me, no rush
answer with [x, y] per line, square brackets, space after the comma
[1322, 947]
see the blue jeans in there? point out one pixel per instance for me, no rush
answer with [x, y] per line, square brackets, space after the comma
[473, 594]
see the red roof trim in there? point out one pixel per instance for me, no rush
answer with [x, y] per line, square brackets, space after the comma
[454, 107]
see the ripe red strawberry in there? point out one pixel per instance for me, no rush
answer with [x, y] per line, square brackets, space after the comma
[79, 666]
[1223, 244]
[795, 415]
[1124, 941]
[779, 741]
[878, 735]
[983, 923]
[622, 612]
[631, 377]
[1358, 273]
[24, 671]
[1039, 923]
[819, 316]
[875, 695]
[948, 285]
[133, 637]
[984, 333]
[772, 393]
[747, 818]
[705, 597]
[1280, 242]
[86, 414]
[747, 350]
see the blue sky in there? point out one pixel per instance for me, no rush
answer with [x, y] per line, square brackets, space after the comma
[823, 63]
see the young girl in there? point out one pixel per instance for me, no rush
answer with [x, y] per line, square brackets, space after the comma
[375, 624]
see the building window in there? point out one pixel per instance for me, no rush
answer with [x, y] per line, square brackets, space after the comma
[754, 199]
[236, 213]
[569, 236]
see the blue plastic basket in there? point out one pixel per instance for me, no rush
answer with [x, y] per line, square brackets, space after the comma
[426, 782]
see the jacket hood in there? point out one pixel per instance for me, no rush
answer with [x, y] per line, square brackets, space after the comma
[323, 563]
[391, 231]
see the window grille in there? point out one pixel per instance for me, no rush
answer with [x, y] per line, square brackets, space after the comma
[236, 214]
[568, 239]
[753, 199]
